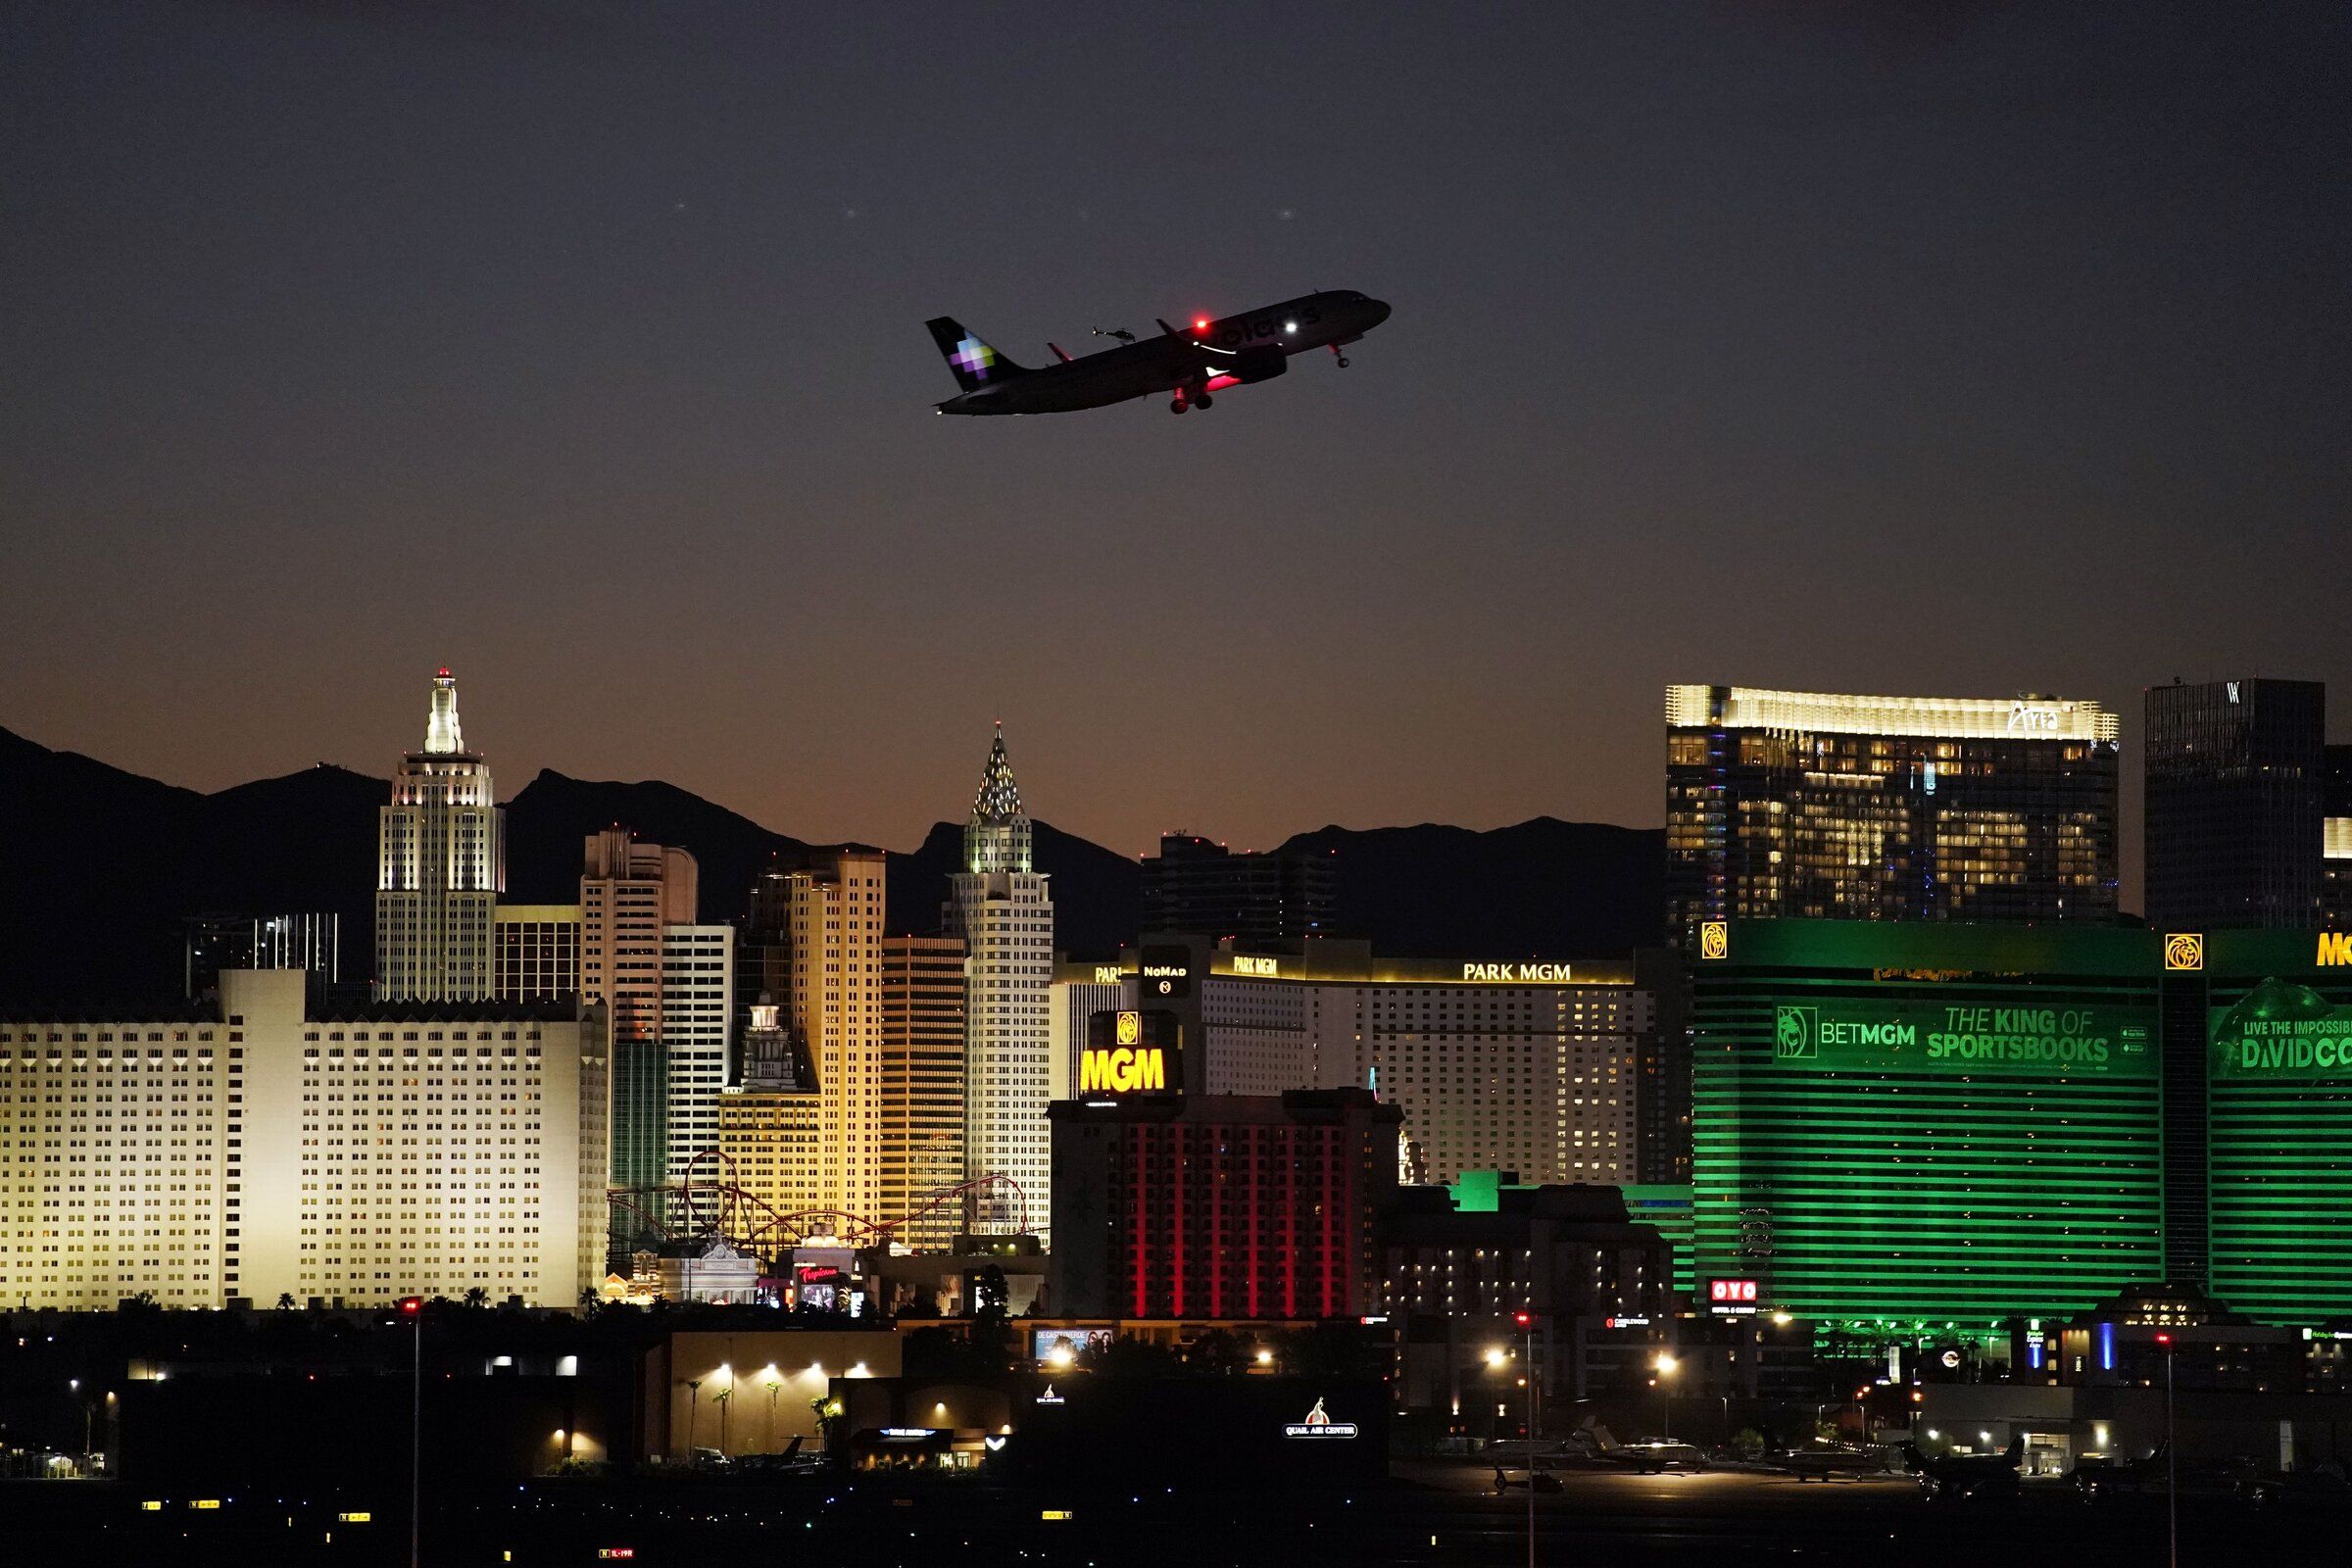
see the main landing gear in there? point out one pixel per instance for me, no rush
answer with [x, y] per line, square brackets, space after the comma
[1337, 355]
[1183, 400]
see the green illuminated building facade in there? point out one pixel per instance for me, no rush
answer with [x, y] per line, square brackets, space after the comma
[1902, 1123]
[2275, 1008]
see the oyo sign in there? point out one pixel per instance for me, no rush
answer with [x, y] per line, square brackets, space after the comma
[1731, 1298]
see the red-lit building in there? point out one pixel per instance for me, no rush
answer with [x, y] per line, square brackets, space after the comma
[1221, 1207]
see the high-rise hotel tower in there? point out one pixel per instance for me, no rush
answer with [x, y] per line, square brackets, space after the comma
[1000, 908]
[1827, 805]
[440, 866]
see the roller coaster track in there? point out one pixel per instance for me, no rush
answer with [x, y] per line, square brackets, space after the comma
[716, 1204]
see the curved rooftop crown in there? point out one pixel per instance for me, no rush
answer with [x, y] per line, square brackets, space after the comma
[996, 838]
[999, 795]
[443, 736]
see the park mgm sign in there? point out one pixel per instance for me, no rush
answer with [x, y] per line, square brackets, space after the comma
[1131, 1053]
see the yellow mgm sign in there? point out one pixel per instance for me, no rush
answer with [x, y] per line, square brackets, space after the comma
[1127, 1052]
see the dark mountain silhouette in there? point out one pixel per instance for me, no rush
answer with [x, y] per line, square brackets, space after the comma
[548, 822]
[104, 865]
[1542, 889]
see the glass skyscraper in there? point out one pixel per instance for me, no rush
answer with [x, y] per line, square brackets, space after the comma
[1837, 807]
[2236, 782]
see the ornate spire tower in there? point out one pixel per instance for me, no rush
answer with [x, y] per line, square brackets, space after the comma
[440, 866]
[996, 838]
[1003, 910]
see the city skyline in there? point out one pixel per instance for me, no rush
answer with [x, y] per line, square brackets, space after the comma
[1973, 352]
[1306, 820]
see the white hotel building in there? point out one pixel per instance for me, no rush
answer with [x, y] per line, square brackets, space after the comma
[1000, 908]
[399, 1150]
[1523, 1067]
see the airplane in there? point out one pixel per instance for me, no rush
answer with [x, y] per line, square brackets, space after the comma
[1966, 1475]
[1828, 1463]
[1216, 352]
[1592, 1443]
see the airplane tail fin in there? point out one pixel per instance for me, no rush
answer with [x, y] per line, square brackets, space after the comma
[974, 362]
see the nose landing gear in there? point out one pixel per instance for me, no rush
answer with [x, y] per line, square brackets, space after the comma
[1337, 355]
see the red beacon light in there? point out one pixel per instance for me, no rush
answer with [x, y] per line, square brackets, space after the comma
[412, 1305]
[1523, 1319]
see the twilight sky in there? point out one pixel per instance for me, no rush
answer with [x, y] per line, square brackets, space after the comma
[1950, 348]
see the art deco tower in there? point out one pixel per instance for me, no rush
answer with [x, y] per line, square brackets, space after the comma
[1000, 908]
[440, 866]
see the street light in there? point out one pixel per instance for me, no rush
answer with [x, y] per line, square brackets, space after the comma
[1527, 1325]
[411, 1307]
[1666, 1363]
[726, 1369]
[2172, 1464]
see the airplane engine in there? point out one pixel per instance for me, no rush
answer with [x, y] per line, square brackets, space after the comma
[1260, 364]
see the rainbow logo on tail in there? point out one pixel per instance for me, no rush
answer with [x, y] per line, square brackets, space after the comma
[976, 365]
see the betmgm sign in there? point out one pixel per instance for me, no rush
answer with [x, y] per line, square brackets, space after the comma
[1131, 1053]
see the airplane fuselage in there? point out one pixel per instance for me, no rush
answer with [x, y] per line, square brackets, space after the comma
[1198, 358]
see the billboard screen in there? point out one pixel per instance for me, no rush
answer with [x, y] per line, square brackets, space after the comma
[1909, 1035]
[2285, 1030]
[1050, 1348]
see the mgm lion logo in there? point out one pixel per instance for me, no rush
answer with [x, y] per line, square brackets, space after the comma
[1714, 938]
[2184, 950]
[1793, 1035]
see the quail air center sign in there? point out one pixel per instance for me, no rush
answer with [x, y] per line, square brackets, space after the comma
[1961, 1037]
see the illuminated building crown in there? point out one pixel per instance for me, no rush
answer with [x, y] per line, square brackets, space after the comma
[443, 735]
[996, 839]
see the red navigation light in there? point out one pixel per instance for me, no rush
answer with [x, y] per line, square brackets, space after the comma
[1200, 323]
[411, 1306]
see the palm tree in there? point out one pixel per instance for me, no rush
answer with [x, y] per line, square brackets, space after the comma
[477, 1296]
[285, 1301]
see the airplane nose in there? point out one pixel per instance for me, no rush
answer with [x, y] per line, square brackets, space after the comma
[1380, 311]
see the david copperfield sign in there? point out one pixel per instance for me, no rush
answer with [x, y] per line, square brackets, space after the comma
[1961, 1037]
[2282, 1030]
